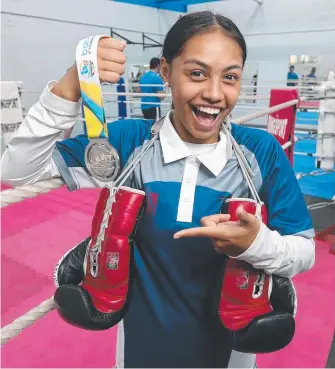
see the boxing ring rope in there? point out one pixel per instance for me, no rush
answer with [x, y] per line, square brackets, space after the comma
[140, 94]
[297, 86]
[18, 325]
[20, 193]
[306, 127]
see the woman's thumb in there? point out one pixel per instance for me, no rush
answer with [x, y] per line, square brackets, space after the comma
[243, 216]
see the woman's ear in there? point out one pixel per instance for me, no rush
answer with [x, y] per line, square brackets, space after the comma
[165, 71]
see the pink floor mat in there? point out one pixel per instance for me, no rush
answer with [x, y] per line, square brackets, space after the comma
[35, 234]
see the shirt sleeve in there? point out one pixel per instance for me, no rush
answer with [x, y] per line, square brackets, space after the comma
[28, 155]
[285, 256]
[281, 193]
[69, 157]
[285, 246]
[125, 136]
[36, 153]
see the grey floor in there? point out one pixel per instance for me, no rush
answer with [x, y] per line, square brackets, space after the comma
[322, 218]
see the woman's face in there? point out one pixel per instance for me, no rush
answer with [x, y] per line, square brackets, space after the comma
[205, 83]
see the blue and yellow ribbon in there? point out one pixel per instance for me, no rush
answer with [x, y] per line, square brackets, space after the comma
[91, 93]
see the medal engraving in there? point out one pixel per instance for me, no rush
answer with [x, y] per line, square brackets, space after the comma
[102, 160]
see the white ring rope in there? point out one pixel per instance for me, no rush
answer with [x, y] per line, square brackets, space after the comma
[139, 102]
[18, 325]
[20, 193]
[321, 205]
[309, 88]
[267, 111]
[140, 94]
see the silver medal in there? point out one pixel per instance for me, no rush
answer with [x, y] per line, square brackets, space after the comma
[102, 160]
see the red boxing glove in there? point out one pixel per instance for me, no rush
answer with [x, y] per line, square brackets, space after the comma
[101, 263]
[257, 308]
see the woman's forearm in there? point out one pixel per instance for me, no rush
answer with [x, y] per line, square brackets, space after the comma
[68, 86]
[285, 256]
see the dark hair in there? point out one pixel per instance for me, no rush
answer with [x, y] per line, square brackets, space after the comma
[194, 23]
[291, 66]
[154, 63]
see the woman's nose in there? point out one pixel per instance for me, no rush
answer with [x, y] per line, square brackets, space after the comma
[213, 92]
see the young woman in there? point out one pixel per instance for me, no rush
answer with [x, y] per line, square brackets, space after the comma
[187, 175]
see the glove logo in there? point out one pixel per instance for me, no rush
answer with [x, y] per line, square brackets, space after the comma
[242, 280]
[112, 260]
[258, 286]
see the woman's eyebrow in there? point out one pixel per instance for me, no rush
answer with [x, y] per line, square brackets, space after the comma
[196, 61]
[205, 66]
[234, 66]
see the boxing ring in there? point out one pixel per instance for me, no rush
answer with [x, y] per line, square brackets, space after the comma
[41, 222]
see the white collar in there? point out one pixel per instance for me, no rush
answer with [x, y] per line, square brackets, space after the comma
[175, 149]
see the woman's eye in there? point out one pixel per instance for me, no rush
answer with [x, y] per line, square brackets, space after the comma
[231, 77]
[197, 74]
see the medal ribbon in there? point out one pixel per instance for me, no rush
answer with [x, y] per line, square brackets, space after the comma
[90, 88]
[101, 159]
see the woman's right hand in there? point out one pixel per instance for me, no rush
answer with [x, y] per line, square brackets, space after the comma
[111, 66]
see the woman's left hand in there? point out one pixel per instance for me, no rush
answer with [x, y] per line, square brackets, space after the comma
[232, 238]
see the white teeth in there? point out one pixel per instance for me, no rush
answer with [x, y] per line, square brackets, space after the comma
[208, 110]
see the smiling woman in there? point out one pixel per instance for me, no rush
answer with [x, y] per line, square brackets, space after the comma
[204, 87]
[189, 170]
